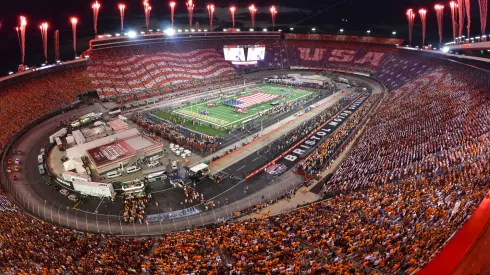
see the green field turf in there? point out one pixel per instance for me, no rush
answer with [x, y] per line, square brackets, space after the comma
[223, 117]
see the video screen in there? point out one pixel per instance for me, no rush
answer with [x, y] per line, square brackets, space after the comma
[256, 53]
[233, 53]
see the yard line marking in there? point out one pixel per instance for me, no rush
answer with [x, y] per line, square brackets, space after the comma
[241, 168]
[256, 158]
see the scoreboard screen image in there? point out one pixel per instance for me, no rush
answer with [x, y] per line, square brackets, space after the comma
[234, 53]
[256, 53]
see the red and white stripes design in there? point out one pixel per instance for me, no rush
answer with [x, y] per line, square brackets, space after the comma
[150, 71]
[254, 99]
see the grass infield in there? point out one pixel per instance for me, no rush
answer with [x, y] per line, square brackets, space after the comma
[221, 118]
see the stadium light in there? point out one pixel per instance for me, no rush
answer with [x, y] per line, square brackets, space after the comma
[132, 34]
[368, 31]
[291, 29]
[265, 29]
[394, 33]
[445, 50]
[251, 29]
[179, 30]
[341, 30]
[170, 31]
[313, 29]
[11, 73]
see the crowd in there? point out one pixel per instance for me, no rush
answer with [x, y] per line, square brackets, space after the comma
[174, 133]
[134, 209]
[279, 145]
[317, 161]
[300, 84]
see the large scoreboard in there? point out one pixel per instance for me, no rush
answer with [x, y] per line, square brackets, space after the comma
[244, 54]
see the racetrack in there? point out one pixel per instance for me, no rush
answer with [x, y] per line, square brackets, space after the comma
[103, 216]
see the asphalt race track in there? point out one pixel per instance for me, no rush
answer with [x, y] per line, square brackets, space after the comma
[232, 194]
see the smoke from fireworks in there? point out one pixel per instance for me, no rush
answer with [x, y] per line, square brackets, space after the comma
[17, 29]
[468, 15]
[172, 11]
[74, 22]
[147, 8]
[44, 36]
[22, 29]
[439, 13]
[273, 14]
[252, 10]
[211, 15]
[411, 18]
[454, 17]
[483, 15]
[96, 8]
[122, 7]
[190, 11]
[460, 17]
[232, 10]
[423, 18]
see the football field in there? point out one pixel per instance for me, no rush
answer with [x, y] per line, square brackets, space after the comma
[222, 117]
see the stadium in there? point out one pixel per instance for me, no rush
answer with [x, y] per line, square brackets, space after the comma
[206, 151]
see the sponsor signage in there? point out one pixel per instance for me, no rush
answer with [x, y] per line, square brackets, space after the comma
[276, 169]
[308, 144]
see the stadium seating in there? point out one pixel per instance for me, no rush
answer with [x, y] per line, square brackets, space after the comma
[338, 55]
[146, 72]
[416, 175]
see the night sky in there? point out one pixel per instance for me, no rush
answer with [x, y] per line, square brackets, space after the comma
[354, 16]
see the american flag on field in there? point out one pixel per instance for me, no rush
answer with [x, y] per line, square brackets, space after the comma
[250, 100]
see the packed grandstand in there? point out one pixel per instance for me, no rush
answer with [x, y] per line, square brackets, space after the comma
[417, 173]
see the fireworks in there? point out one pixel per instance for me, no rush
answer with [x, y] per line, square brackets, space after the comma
[190, 10]
[423, 18]
[468, 15]
[411, 18]
[439, 13]
[483, 15]
[22, 29]
[252, 10]
[273, 14]
[460, 16]
[122, 7]
[74, 22]
[454, 17]
[96, 8]
[232, 10]
[210, 14]
[44, 36]
[172, 11]
[147, 8]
